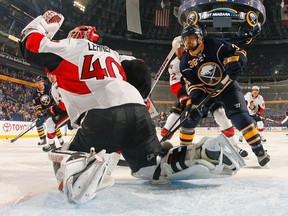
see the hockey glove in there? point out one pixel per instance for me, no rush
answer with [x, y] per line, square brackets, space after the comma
[182, 100]
[233, 70]
[51, 111]
[42, 117]
[38, 109]
[195, 115]
[257, 117]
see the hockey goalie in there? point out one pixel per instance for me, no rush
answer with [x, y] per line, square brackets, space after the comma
[112, 116]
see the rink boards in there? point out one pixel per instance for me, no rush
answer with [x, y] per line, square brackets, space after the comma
[10, 129]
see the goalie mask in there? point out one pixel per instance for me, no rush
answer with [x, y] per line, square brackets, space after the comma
[84, 32]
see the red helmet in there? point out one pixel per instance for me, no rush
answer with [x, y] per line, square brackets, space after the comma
[84, 32]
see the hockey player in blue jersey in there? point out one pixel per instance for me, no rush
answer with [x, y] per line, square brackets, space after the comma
[205, 64]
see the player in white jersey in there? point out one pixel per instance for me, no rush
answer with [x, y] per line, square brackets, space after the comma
[59, 116]
[256, 107]
[111, 116]
[178, 88]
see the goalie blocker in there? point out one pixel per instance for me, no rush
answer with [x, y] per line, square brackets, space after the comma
[81, 175]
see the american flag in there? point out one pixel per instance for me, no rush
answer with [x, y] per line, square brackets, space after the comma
[284, 10]
[162, 17]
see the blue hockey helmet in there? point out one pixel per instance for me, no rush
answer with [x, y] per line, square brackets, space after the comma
[191, 29]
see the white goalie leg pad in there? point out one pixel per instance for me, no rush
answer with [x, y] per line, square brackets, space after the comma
[220, 152]
[82, 187]
[181, 164]
[82, 174]
[175, 161]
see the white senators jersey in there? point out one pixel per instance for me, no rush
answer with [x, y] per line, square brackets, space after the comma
[56, 93]
[254, 105]
[89, 75]
[175, 76]
[174, 71]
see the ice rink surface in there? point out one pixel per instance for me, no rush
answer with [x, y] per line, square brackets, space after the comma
[28, 187]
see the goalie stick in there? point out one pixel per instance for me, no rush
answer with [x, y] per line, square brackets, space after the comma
[30, 127]
[172, 131]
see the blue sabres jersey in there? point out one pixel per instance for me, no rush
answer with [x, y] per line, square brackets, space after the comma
[203, 71]
[44, 97]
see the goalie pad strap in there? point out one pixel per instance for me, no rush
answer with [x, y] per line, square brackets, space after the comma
[176, 157]
[157, 172]
[182, 158]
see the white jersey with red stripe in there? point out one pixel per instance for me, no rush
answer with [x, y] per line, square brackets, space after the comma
[55, 92]
[175, 76]
[254, 105]
[89, 76]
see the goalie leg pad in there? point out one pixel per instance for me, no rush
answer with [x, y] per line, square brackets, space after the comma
[185, 162]
[82, 187]
[81, 174]
[220, 152]
[177, 159]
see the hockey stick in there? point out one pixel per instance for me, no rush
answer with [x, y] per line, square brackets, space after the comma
[269, 120]
[162, 68]
[172, 131]
[152, 110]
[30, 127]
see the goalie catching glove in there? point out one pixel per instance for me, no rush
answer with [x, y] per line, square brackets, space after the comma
[48, 24]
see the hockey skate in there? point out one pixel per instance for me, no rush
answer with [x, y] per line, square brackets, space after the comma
[48, 148]
[243, 153]
[263, 139]
[42, 142]
[263, 157]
